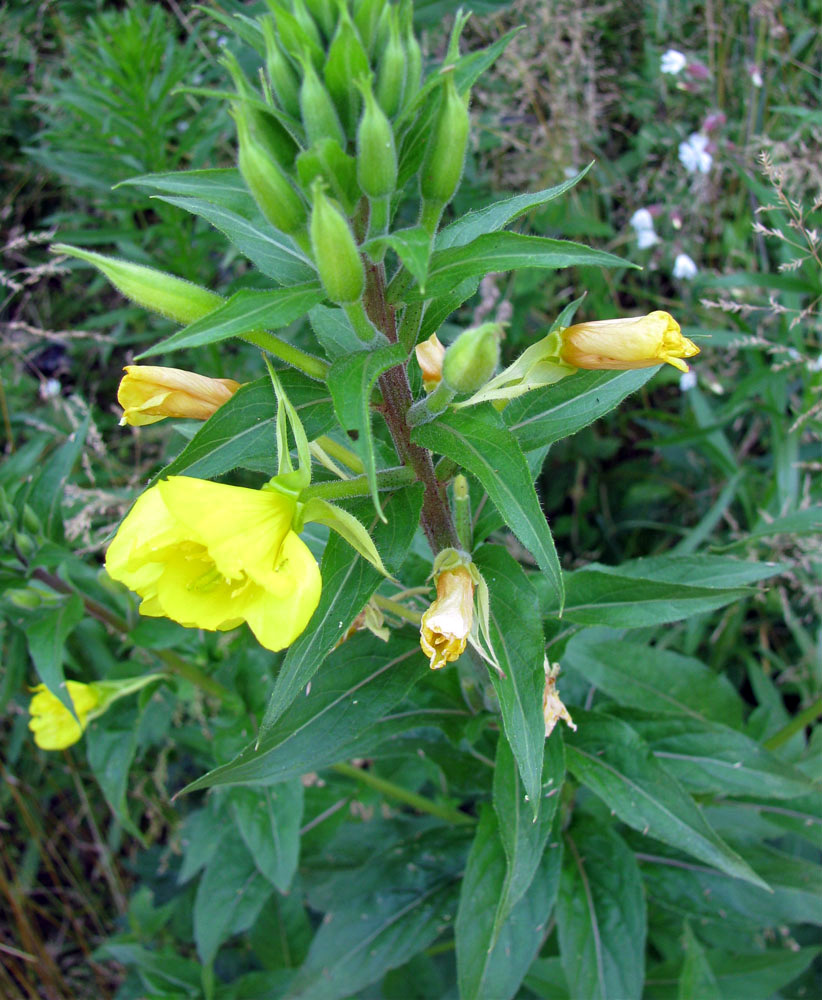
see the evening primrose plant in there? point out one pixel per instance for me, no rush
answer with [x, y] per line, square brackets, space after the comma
[376, 623]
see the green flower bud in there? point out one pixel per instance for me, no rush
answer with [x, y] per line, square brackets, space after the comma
[413, 54]
[391, 68]
[274, 193]
[376, 152]
[318, 112]
[324, 13]
[31, 522]
[173, 297]
[473, 357]
[281, 74]
[366, 18]
[24, 544]
[26, 598]
[306, 21]
[335, 251]
[295, 40]
[347, 62]
[445, 154]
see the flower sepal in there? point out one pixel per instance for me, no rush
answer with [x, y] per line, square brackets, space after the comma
[346, 525]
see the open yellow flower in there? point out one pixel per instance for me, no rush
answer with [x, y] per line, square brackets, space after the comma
[446, 624]
[213, 556]
[149, 393]
[620, 344]
[54, 727]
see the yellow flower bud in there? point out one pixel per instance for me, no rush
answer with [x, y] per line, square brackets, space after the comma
[620, 344]
[148, 394]
[213, 556]
[54, 727]
[429, 357]
[446, 624]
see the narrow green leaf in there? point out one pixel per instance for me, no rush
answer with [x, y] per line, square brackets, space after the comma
[710, 571]
[608, 756]
[224, 187]
[499, 214]
[47, 629]
[438, 309]
[111, 742]
[334, 332]
[601, 915]
[269, 820]
[477, 440]
[412, 246]
[557, 411]
[696, 980]
[351, 381]
[507, 251]
[245, 311]
[521, 656]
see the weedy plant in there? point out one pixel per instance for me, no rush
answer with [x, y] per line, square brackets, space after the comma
[512, 788]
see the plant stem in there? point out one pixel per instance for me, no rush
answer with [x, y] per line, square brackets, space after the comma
[397, 609]
[387, 479]
[342, 454]
[307, 363]
[392, 791]
[797, 723]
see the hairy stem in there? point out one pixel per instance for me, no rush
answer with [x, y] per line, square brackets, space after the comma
[393, 791]
[309, 365]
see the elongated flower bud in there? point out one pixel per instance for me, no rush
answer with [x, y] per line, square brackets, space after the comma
[366, 18]
[445, 155]
[413, 53]
[620, 344]
[347, 61]
[335, 251]
[318, 112]
[162, 293]
[447, 623]
[473, 357]
[149, 393]
[274, 193]
[391, 68]
[376, 152]
[281, 74]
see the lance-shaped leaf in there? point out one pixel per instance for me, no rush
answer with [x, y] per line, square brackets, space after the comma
[412, 246]
[224, 187]
[601, 915]
[269, 820]
[478, 441]
[608, 756]
[338, 718]
[46, 629]
[347, 526]
[351, 380]
[244, 312]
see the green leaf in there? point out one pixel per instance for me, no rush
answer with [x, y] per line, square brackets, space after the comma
[269, 250]
[351, 381]
[608, 756]
[334, 332]
[506, 251]
[521, 656]
[348, 583]
[523, 836]
[645, 677]
[711, 759]
[601, 915]
[245, 311]
[163, 970]
[412, 246]
[477, 440]
[440, 308]
[337, 718]
[754, 975]
[499, 214]
[111, 742]
[229, 898]
[242, 433]
[47, 629]
[46, 494]
[224, 187]
[546, 979]
[557, 411]
[696, 980]
[706, 570]
[493, 964]
[269, 820]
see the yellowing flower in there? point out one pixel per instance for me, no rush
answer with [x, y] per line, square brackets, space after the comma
[430, 354]
[620, 344]
[552, 707]
[446, 624]
[54, 727]
[213, 556]
[148, 393]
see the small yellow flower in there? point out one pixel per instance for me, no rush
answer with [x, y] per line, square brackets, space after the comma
[430, 354]
[148, 393]
[552, 707]
[54, 727]
[620, 344]
[446, 624]
[212, 556]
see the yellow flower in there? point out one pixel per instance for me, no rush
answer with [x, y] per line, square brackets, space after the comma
[430, 354]
[148, 393]
[620, 344]
[213, 556]
[54, 727]
[446, 624]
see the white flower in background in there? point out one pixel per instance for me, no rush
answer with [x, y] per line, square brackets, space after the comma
[646, 238]
[755, 75]
[694, 155]
[673, 62]
[815, 365]
[687, 380]
[642, 222]
[684, 267]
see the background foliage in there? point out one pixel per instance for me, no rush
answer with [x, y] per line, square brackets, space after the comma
[687, 523]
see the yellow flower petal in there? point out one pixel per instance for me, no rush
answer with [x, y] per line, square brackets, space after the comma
[446, 624]
[622, 344]
[149, 393]
[54, 727]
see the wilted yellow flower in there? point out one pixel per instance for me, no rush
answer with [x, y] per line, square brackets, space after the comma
[620, 344]
[552, 707]
[446, 624]
[54, 727]
[430, 354]
[213, 556]
[149, 393]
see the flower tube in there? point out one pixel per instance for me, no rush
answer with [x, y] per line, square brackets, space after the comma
[620, 344]
[150, 393]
